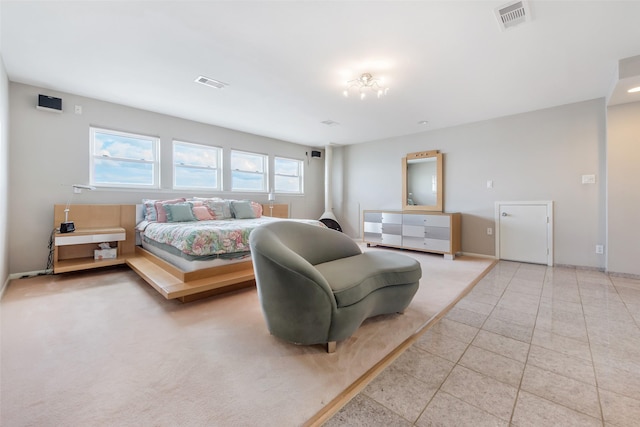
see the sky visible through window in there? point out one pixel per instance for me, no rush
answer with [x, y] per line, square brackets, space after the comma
[130, 160]
[194, 155]
[287, 175]
[195, 166]
[122, 160]
[196, 178]
[247, 171]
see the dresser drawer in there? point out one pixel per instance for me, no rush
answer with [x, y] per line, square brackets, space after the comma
[391, 239]
[426, 244]
[437, 245]
[427, 220]
[373, 227]
[413, 230]
[373, 217]
[373, 237]
[391, 218]
[391, 228]
[439, 233]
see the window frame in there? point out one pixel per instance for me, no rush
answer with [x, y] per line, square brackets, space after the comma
[218, 169]
[264, 173]
[299, 175]
[155, 162]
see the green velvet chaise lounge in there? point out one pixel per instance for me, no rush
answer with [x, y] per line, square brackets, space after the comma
[317, 287]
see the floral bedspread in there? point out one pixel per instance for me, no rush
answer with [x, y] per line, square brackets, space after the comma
[201, 238]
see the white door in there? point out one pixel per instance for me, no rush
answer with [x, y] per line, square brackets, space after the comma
[524, 232]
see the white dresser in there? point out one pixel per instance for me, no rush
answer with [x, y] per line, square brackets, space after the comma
[417, 230]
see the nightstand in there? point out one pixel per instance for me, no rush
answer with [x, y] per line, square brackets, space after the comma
[74, 251]
[95, 224]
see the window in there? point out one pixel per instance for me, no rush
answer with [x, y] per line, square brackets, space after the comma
[196, 166]
[123, 159]
[287, 175]
[248, 171]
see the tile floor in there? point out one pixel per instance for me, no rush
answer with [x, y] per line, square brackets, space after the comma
[530, 345]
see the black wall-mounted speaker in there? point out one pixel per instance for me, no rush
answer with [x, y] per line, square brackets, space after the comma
[316, 154]
[49, 103]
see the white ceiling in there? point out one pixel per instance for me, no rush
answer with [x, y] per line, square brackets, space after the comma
[286, 62]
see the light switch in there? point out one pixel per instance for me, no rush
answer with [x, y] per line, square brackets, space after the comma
[588, 179]
[489, 184]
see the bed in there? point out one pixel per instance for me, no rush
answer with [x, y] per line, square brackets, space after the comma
[192, 259]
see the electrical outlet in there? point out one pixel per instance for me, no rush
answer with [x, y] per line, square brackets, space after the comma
[599, 249]
[489, 231]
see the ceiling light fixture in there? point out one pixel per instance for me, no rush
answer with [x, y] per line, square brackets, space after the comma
[364, 84]
[634, 89]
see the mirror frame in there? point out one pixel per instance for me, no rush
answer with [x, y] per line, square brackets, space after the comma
[438, 207]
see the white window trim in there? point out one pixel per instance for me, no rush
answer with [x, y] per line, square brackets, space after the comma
[155, 162]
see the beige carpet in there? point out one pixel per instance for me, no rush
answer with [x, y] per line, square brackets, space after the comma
[103, 348]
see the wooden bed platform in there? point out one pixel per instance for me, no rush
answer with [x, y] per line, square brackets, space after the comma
[172, 282]
[118, 222]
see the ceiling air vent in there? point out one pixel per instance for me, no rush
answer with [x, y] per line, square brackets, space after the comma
[210, 82]
[511, 14]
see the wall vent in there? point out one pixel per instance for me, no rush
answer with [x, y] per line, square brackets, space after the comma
[211, 82]
[511, 14]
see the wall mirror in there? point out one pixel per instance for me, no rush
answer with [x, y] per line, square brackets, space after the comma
[422, 181]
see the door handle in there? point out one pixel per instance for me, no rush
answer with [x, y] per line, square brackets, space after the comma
[504, 214]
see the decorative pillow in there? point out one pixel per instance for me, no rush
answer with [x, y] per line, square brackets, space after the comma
[221, 209]
[160, 208]
[202, 213]
[149, 209]
[242, 209]
[179, 212]
[257, 209]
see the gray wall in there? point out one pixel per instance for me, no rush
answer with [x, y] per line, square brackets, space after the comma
[50, 151]
[623, 195]
[535, 156]
[4, 174]
[539, 155]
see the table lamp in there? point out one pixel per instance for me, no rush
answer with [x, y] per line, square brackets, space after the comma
[68, 226]
[272, 198]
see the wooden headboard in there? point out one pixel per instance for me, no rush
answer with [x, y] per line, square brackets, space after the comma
[101, 216]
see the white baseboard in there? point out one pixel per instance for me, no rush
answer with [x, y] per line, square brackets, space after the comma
[4, 286]
[478, 255]
[623, 275]
[28, 274]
